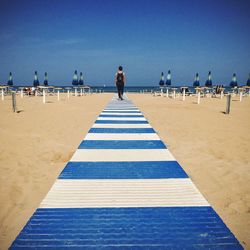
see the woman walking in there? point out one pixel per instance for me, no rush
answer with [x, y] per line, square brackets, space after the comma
[120, 81]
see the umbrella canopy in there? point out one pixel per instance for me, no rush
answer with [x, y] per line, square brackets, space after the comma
[233, 83]
[248, 81]
[75, 78]
[10, 81]
[46, 82]
[196, 80]
[161, 82]
[36, 81]
[81, 79]
[168, 81]
[209, 80]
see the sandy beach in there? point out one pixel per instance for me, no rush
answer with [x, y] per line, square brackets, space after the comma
[212, 147]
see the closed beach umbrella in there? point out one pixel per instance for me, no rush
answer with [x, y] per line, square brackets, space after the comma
[233, 83]
[161, 83]
[168, 81]
[81, 79]
[196, 80]
[46, 82]
[36, 81]
[248, 81]
[10, 81]
[209, 80]
[75, 78]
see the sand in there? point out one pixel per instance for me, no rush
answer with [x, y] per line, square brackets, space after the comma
[35, 146]
[212, 147]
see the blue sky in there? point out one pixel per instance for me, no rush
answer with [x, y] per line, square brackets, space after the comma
[145, 36]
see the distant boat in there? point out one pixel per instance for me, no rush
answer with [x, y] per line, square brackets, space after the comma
[36, 81]
[209, 80]
[168, 81]
[46, 82]
[233, 83]
[161, 82]
[81, 79]
[10, 81]
[196, 80]
[75, 79]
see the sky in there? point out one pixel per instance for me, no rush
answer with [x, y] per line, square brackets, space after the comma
[146, 37]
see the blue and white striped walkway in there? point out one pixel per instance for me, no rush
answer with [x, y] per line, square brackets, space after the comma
[123, 189]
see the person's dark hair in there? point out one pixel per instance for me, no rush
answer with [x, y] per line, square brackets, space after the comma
[120, 68]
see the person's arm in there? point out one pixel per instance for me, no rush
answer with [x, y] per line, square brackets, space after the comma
[124, 78]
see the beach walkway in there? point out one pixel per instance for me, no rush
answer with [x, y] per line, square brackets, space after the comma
[123, 189]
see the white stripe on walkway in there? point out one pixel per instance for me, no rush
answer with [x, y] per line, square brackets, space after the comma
[122, 155]
[117, 110]
[123, 193]
[122, 118]
[111, 125]
[122, 136]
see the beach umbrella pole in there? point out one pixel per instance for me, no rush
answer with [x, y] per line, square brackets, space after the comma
[183, 94]
[75, 92]
[14, 101]
[167, 92]
[199, 97]
[161, 92]
[241, 94]
[2, 95]
[81, 92]
[44, 96]
[221, 94]
[58, 95]
[228, 104]
[68, 93]
[174, 93]
[21, 93]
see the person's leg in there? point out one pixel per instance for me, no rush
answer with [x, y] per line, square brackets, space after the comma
[122, 90]
[118, 90]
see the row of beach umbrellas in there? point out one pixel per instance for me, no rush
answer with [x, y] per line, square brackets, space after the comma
[76, 81]
[196, 82]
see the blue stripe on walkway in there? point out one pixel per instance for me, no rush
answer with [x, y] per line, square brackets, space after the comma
[122, 130]
[120, 122]
[121, 116]
[121, 144]
[126, 228]
[123, 170]
[132, 112]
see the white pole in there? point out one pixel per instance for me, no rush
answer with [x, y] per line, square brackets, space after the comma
[81, 91]
[174, 93]
[161, 92]
[199, 97]
[241, 95]
[2, 95]
[35, 92]
[58, 95]
[21, 93]
[44, 96]
[167, 92]
[183, 96]
[75, 92]
[68, 93]
[221, 94]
